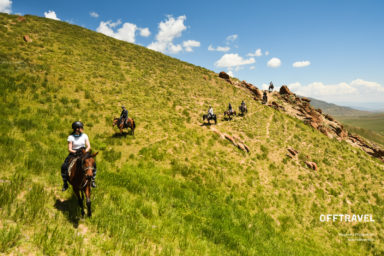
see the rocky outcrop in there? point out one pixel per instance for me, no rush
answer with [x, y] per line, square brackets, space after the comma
[311, 165]
[20, 18]
[253, 89]
[236, 141]
[329, 117]
[284, 90]
[27, 39]
[276, 106]
[224, 75]
[292, 153]
[300, 107]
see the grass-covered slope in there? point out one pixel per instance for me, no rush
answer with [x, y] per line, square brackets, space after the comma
[368, 126]
[336, 110]
[176, 187]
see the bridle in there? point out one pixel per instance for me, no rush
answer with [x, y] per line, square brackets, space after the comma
[85, 177]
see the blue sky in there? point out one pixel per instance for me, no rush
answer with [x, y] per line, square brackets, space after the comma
[337, 45]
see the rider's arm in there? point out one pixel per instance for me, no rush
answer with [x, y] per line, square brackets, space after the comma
[70, 147]
[88, 145]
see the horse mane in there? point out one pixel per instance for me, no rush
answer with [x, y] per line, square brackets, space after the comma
[86, 155]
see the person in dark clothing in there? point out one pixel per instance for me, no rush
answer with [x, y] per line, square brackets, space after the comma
[265, 97]
[230, 108]
[124, 115]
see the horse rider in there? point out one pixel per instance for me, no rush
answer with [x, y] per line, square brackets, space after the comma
[77, 140]
[265, 97]
[210, 112]
[270, 87]
[230, 110]
[243, 104]
[124, 115]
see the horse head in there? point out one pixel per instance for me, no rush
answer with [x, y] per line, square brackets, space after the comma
[115, 121]
[88, 163]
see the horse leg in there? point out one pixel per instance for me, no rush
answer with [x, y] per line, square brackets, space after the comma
[88, 197]
[80, 200]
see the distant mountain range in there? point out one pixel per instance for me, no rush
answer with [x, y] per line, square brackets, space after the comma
[336, 110]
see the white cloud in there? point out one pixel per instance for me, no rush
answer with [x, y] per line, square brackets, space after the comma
[368, 87]
[231, 38]
[358, 90]
[230, 73]
[189, 44]
[51, 15]
[219, 48]
[301, 64]
[252, 67]
[169, 30]
[274, 63]
[257, 53]
[266, 53]
[127, 32]
[94, 14]
[264, 86]
[144, 32]
[5, 6]
[233, 60]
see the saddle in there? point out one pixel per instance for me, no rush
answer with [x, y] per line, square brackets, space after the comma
[125, 123]
[71, 164]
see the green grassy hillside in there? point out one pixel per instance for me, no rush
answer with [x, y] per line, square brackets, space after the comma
[368, 126]
[176, 187]
[336, 110]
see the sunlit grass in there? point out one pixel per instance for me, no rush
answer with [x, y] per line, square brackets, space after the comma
[175, 187]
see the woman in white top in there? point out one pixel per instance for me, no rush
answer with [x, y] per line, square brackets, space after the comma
[77, 140]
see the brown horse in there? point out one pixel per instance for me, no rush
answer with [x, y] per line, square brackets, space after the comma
[130, 124]
[80, 177]
[229, 114]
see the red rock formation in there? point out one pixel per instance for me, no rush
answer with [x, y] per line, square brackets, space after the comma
[20, 19]
[284, 90]
[27, 39]
[224, 75]
[311, 165]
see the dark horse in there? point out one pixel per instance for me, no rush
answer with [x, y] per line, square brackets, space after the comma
[213, 117]
[80, 177]
[243, 109]
[129, 124]
[270, 88]
[229, 114]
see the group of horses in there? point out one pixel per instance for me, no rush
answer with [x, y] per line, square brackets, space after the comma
[80, 172]
[227, 114]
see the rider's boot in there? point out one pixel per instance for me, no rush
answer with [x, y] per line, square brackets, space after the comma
[93, 183]
[65, 186]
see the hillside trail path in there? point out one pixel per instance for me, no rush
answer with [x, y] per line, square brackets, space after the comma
[268, 124]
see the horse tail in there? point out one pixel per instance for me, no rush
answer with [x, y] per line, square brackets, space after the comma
[134, 124]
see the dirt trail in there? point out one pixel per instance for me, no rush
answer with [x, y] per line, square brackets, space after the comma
[269, 122]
